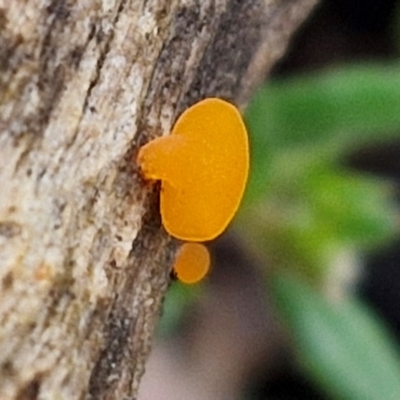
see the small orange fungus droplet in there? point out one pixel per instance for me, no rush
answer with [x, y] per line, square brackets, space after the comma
[203, 166]
[192, 262]
[43, 272]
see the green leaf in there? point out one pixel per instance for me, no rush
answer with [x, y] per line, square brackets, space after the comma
[305, 220]
[352, 102]
[357, 208]
[342, 345]
[320, 118]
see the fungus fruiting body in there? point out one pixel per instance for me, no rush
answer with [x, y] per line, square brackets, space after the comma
[192, 262]
[203, 167]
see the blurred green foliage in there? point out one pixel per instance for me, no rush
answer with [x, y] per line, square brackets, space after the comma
[341, 345]
[302, 203]
[304, 208]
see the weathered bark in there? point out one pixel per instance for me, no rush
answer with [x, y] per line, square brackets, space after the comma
[84, 260]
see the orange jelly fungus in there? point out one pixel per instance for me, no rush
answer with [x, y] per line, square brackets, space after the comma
[203, 166]
[192, 262]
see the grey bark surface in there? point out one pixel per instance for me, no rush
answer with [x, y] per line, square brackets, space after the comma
[84, 260]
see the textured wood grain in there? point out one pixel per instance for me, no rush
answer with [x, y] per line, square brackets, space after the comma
[84, 261]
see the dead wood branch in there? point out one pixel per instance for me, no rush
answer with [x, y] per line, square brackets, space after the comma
[84, 261]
